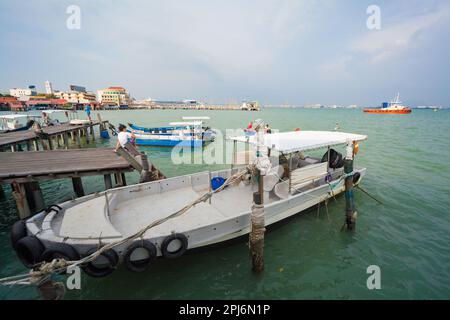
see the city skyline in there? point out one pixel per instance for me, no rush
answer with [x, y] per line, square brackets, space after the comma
[295, 52]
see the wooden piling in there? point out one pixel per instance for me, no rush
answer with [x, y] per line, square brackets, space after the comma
[19, 196]
[34, 196]
[91, 128]
[118, 179]
[350, 212]
[78, 134]
[145, 173]
[2, 192]
[257, 220]
[36, 144]
[78, 186]
[108, 181]
[66, 140]
[86, 134]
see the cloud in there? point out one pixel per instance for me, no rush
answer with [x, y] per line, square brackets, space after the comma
[395, 39]
[336, 67]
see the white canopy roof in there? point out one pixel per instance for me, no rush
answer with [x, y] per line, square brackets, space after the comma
[55, 111]
[191, 123]
[196, 118]
[13, 116]
[288, 142]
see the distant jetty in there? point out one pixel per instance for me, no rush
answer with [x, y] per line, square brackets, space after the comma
[188, 105]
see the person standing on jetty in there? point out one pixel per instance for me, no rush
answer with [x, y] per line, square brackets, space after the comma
[124, 137]
[88, 112]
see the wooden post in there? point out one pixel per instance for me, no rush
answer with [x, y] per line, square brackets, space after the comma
[13, 148]
[72, 135]
[256, 238]
[66, 140]
[234, 160]
[78, 133]
[91, 128]
[36, 144]
[290, 173]
[29, 145]
[101, 126]
[145, 173]
[108, 181]
[78, 186]
[35, 197]
[50, 143]
[21, 200]
[86, 133]
[118, 179]
[2, 192]
[350, 212]
[124, 180]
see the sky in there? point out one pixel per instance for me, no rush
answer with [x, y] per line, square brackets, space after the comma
[274, 51]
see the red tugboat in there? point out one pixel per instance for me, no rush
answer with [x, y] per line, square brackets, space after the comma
[393, 107]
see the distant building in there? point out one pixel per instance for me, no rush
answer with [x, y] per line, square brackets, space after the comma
[40, 103]
[11, 103]
[114, 96]
[18, 92]
[75, 97]
[48, 87]
[77, 88]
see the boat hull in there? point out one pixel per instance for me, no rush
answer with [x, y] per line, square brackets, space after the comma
[170, 143]
[381, 111]
[201, 236]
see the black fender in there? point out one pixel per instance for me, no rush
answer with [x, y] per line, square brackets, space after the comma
[29, 250]
[97, 271]
[168, 240]
[18, 231]
[140, 265]
[60, 251]
[356, 178]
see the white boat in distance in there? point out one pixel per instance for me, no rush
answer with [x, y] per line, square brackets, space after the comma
[79, 227]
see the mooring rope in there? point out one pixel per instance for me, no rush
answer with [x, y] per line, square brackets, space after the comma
[36, 276]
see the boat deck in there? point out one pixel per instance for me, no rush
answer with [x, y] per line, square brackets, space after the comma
[130, 216]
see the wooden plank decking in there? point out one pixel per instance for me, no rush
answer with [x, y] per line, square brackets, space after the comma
[23, 136]
[44, 165]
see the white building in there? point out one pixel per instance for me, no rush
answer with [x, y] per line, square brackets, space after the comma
[48, 87]
[19, 93]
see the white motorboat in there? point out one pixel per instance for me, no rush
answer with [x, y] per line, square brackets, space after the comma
[16, 122]
[79, 227]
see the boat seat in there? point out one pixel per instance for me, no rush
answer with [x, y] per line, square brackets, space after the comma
[88, 220]
[306, 175]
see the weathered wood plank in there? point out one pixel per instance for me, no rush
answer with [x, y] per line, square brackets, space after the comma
[23, 136]
[23, 164]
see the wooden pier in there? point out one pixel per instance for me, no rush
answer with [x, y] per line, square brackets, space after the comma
[24, 170]
[50, 137]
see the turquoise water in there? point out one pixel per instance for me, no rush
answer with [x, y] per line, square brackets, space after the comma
[408, 237]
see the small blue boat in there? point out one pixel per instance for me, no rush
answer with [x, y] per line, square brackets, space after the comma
[192, 134]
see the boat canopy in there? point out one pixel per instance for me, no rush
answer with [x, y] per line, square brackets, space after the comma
[196, 118]
[192, 123]
[288, 142]
[56, 111]
[14, 116]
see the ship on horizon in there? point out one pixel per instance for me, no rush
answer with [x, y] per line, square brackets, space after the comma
[393, 107]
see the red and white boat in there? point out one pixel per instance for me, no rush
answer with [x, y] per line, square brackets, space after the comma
[393, 107]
